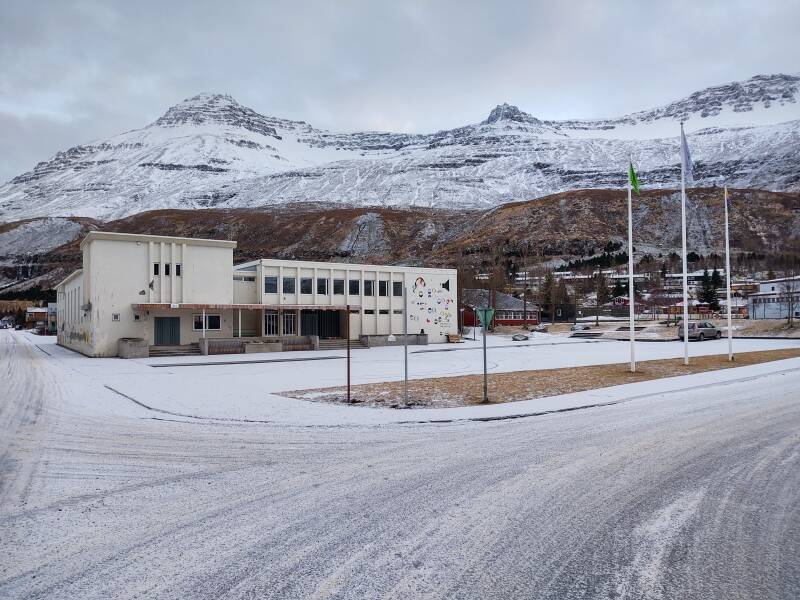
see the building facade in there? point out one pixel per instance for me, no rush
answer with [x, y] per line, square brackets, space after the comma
[508, 309]
[172, 291]
[776, 299]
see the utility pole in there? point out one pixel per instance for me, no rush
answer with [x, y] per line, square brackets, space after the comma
[485, 377]
[405, 346]
[348, 353]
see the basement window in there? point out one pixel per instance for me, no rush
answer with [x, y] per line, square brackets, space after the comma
[369, 311]
[397, 311]
[383, 311]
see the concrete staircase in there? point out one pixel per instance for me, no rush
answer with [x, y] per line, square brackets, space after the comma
[187, 350]
[338, 344]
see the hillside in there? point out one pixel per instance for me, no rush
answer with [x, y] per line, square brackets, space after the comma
[37, 253]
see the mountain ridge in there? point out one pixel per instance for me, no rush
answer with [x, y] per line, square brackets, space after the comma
[210, 151]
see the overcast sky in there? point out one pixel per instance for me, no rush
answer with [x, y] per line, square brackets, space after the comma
[75, 71]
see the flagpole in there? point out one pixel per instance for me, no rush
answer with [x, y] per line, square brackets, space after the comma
[685, 268]
[631, 294]
[728, 278]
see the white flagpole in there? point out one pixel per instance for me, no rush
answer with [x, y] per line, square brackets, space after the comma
[685, 268]
[631, 294]
[728, 278]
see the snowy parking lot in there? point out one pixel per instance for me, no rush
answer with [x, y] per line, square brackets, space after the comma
[248, 387]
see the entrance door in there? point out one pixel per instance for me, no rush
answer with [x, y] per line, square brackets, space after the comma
[168, 331]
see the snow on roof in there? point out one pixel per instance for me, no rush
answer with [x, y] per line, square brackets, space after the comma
[503, 301]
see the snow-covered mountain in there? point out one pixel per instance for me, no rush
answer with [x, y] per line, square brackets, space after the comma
[211, 151]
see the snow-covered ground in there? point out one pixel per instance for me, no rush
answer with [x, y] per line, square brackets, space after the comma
[675, 495]
[248, 387]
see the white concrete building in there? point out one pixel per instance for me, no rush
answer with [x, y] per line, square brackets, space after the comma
[775, 298]
[171, 291]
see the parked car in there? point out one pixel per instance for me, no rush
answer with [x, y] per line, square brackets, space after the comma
[580, 327]
[702, 330]
[4, 325]
[519, 337]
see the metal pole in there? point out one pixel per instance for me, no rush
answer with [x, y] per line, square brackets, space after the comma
[405, 347]
[728, 278]
[204, 322]
[485, 380]
[348, 353]
[631, 289]
[240, 322]
[685, 267]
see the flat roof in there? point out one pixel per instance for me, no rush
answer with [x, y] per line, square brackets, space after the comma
[142, 237]
[216, 306]
[341, 265]
[68, 278]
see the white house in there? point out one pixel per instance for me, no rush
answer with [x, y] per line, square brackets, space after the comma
[775, 298]
[172, 291]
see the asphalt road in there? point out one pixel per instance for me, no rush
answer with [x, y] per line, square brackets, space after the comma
[688, 495]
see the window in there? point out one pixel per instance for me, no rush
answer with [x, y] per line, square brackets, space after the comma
[383, 311]
[322, 285]
[239, 278]
[115, 316]
[155, 268]
[178, 270]
[271, 322]
[306, 285]
[338, 286]
[354, 287]
[383, 288]
[288, 323]
[213, 322]
[398, 311]
[136, 317]
[397, 288]
[270, 285]
[369, 311]
[166, 269]
[288, 285]
[369, 288]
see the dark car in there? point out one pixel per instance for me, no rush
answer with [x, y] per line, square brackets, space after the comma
[702, 330]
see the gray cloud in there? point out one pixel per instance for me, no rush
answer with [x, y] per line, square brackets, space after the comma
[71, 72]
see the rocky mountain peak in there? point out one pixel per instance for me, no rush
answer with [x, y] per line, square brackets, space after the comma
[208, 108]
[508, 112]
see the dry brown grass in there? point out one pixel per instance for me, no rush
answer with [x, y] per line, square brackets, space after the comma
[466, 390]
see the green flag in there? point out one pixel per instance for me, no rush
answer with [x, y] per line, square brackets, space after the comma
[633, 180]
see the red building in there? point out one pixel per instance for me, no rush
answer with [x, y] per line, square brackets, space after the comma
[508, 309]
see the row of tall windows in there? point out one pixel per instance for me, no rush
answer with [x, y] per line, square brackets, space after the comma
[167, 268]
[288, 285]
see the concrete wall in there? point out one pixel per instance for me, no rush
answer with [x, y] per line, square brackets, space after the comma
[432, 306]
[118, 271]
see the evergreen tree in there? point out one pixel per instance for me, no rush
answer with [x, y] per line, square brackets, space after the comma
[619, 288]
[716, 279]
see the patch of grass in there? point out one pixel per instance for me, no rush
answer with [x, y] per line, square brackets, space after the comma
[465, 390]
